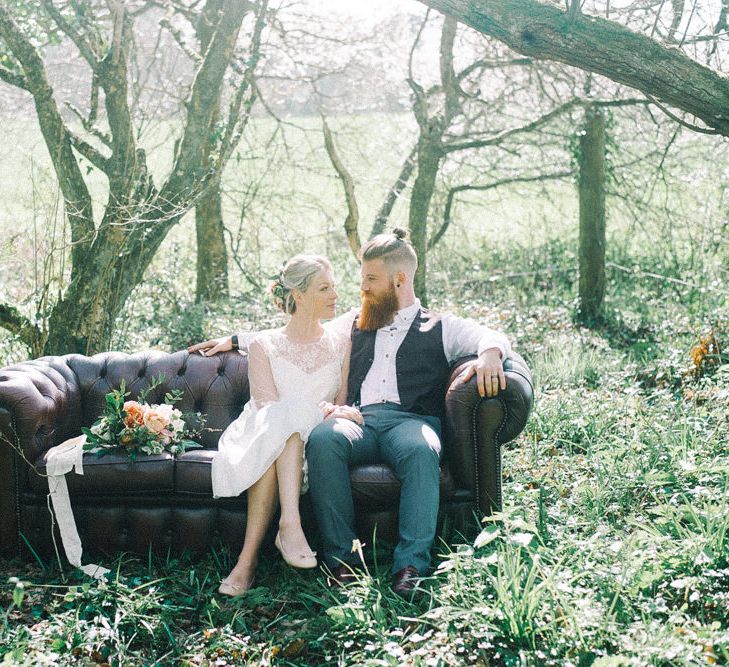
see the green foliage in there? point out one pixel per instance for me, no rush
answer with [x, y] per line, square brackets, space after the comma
[611, 549]
[612, 546]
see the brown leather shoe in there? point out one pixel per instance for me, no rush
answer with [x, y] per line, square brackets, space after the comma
[406, 581]
[343, 574]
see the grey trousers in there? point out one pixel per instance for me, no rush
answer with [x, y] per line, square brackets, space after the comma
[410, 445]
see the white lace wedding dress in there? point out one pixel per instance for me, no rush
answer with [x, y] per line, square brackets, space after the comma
[288, 381]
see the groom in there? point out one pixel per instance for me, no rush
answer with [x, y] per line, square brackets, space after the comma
[399, 367]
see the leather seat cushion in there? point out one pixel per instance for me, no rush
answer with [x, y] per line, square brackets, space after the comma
[192, 472]
[114, 474]
[373, 486]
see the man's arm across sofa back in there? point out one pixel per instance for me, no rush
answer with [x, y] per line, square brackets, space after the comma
[476, 427]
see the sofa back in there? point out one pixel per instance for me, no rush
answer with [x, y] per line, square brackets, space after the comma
[50, 398]
[215, 386]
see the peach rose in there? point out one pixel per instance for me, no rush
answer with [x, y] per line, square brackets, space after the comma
[135, 414]
[155, 421]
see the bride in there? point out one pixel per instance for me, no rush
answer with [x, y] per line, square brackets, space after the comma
[298, 377]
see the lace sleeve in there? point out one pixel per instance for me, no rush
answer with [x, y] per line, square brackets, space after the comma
[343, 345]
[260, 376]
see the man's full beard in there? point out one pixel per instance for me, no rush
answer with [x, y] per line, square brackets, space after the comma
[378, 311]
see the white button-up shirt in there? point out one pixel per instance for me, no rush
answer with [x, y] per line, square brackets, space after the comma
[461, 337]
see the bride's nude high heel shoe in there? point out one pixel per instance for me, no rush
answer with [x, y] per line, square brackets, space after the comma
[234, 590]
[303, 561]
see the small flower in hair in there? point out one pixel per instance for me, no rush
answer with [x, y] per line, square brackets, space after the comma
[277, 289]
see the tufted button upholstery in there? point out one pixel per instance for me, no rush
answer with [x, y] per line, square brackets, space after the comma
[166, 503]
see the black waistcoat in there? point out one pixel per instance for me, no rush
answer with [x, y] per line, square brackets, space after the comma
[421, 365]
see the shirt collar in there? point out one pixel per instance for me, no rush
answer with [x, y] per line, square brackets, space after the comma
[406, 315]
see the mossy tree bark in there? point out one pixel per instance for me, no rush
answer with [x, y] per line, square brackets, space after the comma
[592, 218]
[109, 258]
[212, 256]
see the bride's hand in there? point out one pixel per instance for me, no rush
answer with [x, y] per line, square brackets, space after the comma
[213, 346]
[327, 408]
[346, 412]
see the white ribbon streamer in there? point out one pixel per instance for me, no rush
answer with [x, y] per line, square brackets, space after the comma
[60, 460]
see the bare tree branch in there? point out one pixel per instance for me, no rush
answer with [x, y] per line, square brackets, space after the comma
[680, 121]
[491, 64]
[88, 125]
[605, 47]
[503, 136]
[114, 79]
[677, 16]
[81, 44]
[94, 101]
[489, 186]
[92, 154]
[178, 37]
[447, 72]
[394, 193]
[236, 124]
[13, 78]
[721, 26]
[186, 169]
[351, 222]
[55, 134]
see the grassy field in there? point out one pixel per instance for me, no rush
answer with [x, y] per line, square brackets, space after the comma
[612, 547]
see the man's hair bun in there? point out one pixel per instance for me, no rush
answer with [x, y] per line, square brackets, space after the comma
[400, 233]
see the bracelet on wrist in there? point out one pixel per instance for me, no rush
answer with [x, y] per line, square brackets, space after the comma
[234, 341]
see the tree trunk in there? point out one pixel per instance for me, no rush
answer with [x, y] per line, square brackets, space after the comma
[109, 261]
[212, 256]
[595, 44]
[429, 157]
[430, 151]
[592, 218]
[83, 320]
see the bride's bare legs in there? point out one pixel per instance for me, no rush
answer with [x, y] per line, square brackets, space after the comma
[262, 502]
[289, 471]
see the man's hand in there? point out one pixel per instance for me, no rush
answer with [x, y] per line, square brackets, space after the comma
[344, 412]
[488, 371]
[211, 347]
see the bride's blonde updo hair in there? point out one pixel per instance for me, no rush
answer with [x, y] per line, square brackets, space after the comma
[297, 273]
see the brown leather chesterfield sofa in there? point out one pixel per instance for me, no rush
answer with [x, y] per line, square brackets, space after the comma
[166, 504]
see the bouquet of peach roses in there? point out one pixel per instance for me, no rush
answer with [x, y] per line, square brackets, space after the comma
[135, 427]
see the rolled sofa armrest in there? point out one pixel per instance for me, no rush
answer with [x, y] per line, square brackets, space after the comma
[40, 406]
[475, 428]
